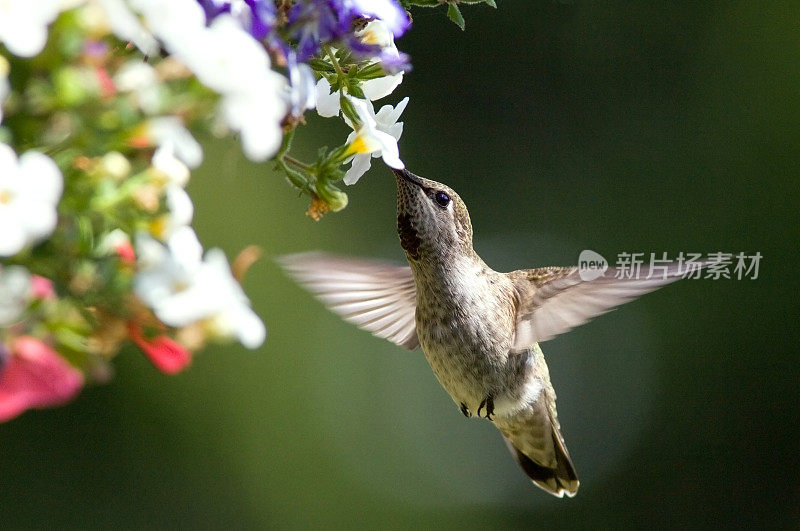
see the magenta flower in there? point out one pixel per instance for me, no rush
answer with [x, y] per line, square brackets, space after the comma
[35, 376]
[169, 356]
[42, 288]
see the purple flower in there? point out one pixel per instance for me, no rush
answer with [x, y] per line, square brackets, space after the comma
[257, 18]
[313, 23]
[262, 17]
[316, 22]
[302, 86]
[214, 8]
[388, 11]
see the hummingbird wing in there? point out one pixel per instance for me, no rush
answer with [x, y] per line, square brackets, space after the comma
[554, 300]
[378, 297]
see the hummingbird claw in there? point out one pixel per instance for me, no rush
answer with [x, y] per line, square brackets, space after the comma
[488, 403]
[465, 410]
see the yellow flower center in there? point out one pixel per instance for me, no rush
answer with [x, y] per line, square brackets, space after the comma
[5, 197]
[369, 37]
[158, 226]
[178, 287]
[362, 144]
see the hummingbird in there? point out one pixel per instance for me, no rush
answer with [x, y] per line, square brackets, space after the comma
[480, 329]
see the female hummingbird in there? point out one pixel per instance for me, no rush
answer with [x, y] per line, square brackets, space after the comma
[479, 329]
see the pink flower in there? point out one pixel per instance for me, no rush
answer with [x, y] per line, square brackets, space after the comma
[125, 252]
[169, 356]
[42, 288]
[35, 377]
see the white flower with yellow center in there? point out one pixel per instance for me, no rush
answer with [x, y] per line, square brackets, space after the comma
[223, 56]
[30, 187]
[376, 136]
[376, 32]
[173, 175]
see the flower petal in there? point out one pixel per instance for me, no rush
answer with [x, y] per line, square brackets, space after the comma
[381, 87]
[41, 176]
[15, 289]
[361, 163]
[168, 356]
[388, 11]
[389, 150]
[35, 377]
[12, 237]
[327, 103]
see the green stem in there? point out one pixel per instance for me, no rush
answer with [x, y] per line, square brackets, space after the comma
[286, 145]
[293, 161]
[335, 63]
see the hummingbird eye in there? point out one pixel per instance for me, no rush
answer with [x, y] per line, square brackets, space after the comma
[442, 199]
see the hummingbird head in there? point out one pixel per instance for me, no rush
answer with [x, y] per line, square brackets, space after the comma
[432, 220]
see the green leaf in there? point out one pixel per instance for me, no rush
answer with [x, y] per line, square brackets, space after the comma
[420, 3]
[491, 3]
[348, 110]
[454, 14]
[355, 90]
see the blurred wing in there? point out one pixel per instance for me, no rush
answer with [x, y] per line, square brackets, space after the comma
[556, 299]
[378, 297]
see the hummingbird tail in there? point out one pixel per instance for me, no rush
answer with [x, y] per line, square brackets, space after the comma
[558, 480]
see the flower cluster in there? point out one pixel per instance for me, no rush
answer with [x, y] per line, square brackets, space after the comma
[98, 101]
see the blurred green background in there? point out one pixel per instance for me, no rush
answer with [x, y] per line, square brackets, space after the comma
[608, 126]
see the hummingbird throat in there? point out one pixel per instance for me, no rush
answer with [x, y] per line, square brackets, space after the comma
[409, 239]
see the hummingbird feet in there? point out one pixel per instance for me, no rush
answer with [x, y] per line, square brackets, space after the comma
[487, 403]
[465, 410]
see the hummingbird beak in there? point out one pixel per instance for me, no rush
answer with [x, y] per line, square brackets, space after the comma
[410, 177]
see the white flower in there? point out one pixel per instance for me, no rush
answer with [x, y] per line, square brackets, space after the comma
[140, 79]
[179, 205]
[302, 90]
[380, 87]
[256, 115]
[23, 24]
[225, 58]
[171, 167]
[228, 60]
[184, 288]
[15, 291]
[377, 136]
[125, 25]
[327, 103]
[170, 130]
[30, 188]
[376, 32]
[180, 211]
[388, 11]
[176, 23]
